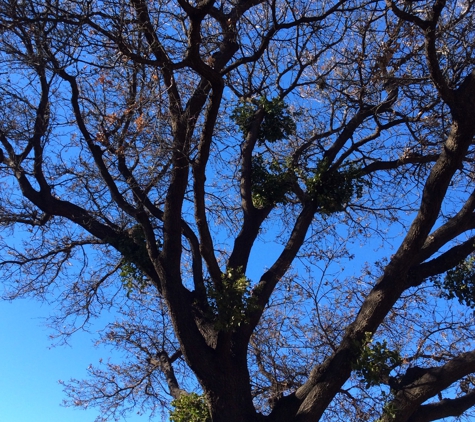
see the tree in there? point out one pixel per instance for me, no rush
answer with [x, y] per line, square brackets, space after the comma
[149, 148]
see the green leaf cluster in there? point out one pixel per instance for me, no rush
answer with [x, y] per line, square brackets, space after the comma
[231, 300]
[375, 359]
[132, 277]
[459, 282]
[190, 408]
[271, 183]
[332, 190]
[277, 124]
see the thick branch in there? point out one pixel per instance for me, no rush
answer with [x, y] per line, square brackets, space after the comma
[394, 164]
[426, 384]
[462, 221]
[164, 362]
[199, 170]
[253, 217]
[444, 408]
[442, 263]
[270, 278]
[40, 129]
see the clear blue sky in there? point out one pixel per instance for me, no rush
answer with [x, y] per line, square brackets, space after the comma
[30, 368]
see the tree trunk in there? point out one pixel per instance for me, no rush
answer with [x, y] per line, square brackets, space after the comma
[228, 391]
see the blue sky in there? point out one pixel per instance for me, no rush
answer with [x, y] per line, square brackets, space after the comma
[30, 368]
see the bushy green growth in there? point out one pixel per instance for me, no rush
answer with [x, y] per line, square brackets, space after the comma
[375, 359]
[271, 183]
[190, 408]
[332, 190]
[277, 124]
[231, 301]
[131, 276]
[459, 282]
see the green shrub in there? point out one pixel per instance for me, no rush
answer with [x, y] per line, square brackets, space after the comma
[190, 408]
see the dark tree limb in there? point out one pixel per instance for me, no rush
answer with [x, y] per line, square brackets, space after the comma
[444, 408]
[425, 383]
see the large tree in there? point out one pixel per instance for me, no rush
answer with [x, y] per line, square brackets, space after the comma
[217, 173]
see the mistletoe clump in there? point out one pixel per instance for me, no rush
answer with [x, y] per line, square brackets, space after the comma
[333, 189]
[459, 282]
[231, 300]
[190, 408]
[277, 124]
[375, 361]
[271, 183]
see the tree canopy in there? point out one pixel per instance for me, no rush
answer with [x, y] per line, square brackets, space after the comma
[220, 173]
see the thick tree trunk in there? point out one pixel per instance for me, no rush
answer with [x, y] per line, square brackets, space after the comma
[231, 408]
[228, 388]
[231, 402]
